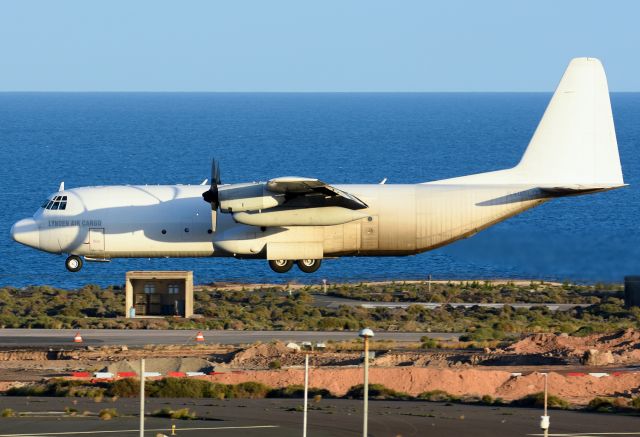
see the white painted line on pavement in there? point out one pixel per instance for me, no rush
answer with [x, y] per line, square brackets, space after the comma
[222, 428]
[588, 434]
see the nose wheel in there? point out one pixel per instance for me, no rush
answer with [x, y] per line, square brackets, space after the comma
[73, 263]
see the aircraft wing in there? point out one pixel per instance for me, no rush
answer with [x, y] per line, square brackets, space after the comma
[309, 192]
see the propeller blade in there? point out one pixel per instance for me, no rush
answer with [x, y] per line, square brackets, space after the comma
[211, 195]
[215, 172]
[214, 219]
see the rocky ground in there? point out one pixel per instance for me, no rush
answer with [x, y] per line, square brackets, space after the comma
[509, 373]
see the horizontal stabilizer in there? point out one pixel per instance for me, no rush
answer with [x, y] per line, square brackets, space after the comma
[574, 190]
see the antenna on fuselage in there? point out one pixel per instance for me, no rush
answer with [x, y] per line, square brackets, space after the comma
[384, 181]
[61, 187]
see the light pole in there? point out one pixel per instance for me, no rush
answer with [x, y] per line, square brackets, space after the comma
[142, 397]
[366, 334]
[306, 393]
[544, 420]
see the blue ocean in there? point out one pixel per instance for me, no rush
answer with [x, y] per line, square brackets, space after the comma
[170, 138]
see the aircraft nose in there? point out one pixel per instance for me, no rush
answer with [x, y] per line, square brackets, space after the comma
[26, 232]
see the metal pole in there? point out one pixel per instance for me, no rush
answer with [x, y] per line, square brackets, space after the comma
[306, 393]
[142, 397]
[546, 380]
[366, 387]
[429, 284]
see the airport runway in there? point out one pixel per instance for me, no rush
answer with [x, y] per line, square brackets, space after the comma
[142, 337]
[281, 417]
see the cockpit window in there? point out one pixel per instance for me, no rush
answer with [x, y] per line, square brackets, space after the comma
[57, 203]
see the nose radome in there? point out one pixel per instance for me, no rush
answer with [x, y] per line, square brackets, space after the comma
[26, 232]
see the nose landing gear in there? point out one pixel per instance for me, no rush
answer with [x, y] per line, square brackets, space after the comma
[73, 263]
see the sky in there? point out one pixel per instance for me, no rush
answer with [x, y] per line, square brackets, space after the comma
[312, 46]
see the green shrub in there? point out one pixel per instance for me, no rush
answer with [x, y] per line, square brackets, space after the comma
[438, 396]
[275, 364]
[376, 391]
[429, 343]
[180, 414]
[108, 413]
[602, 405]
[249, 390]
[124, 388]
[178, 388]
[7, 412]
[536, 400]
[486, 399]
[297, 391]
[27, 390]
[583, 331]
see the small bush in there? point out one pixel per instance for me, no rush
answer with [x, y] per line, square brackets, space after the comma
[438, 396]
[487, 400]
[180, 414]
[275, 364]
[536, 400]
[297, 391]
[635, 403]
[249, 390]
[179, 388]
[376, 391]
[108, 413]
[124, 388]
[7, 412]
[583, 331]
[429, 343]
[27, 390]
[602, 405]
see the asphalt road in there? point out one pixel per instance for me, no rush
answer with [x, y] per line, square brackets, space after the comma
[281, 417]
[142, 337]
[335, 302]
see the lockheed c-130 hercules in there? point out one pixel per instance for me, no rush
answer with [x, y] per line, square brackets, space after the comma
[301, 220]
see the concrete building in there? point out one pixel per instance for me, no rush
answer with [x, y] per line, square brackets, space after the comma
[159, 293]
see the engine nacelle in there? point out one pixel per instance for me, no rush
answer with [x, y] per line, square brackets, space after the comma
[323, 216]
[249, 197]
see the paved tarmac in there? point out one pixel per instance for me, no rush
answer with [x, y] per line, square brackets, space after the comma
[335, 302]
[282, 417]
[141, 337]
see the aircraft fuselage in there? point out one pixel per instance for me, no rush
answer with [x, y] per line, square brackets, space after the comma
[174, 221]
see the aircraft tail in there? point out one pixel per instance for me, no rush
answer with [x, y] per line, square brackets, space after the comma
[574, 147]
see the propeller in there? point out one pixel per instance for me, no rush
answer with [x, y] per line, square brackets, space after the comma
[211, 195]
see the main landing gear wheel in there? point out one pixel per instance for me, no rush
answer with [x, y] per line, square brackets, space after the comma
[309, 265]
[280, 265]
[73, 263]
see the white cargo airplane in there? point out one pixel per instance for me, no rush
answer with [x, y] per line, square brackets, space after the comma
[295, 219]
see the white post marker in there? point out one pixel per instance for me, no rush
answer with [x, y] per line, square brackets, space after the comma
[141, 397]
[306, 393]
[544, 420]
[366, 334]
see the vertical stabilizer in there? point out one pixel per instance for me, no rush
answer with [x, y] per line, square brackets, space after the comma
[575, 142]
